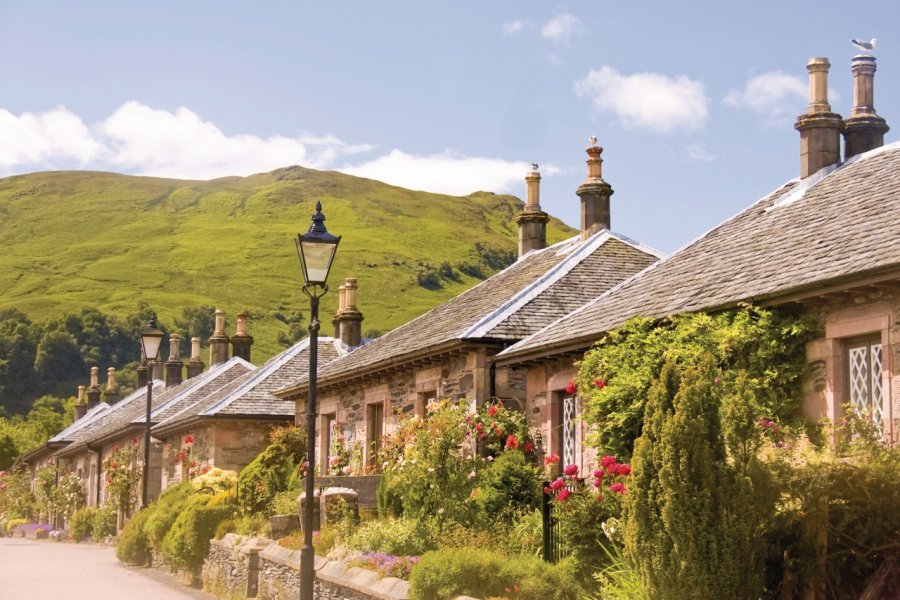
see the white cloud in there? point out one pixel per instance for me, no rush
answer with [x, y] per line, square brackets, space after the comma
[142, 140]
[55, 137]
[648, 101]
[514, 27]
[698, 152]
[446, 173]
[562, 28]
[775, 95]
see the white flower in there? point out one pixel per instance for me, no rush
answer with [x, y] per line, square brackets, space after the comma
[431, 469]
[472, 475]
[440, 511]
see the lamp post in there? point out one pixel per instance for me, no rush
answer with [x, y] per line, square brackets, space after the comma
[151, 339]
[316, 249]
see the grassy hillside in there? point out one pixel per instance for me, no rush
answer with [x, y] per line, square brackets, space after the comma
[75, 239]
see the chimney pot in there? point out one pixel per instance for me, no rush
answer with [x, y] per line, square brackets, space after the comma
[218, 342]
[864, 130]
[93, 392]
[195, 364]
[111, 393]
[174, 366]
[532, 220]
[594, 194]
[241, 341]
[820, 129]
[348, 319]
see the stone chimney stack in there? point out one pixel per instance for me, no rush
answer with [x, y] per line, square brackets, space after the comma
[143, 373]
[532, 220]
[111, 394]
[80, 404]
[594, 194]
[241, 341]
[864, 130]
[195, 364]
[820, 129]
[174, 365]
[218, 342]
[93, 392]
[348, 319]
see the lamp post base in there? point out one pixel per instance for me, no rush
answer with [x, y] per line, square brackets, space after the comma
[307, 573]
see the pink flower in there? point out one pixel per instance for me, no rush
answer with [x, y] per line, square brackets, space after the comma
[624, 469]
[188, 439]
[116, 448]
[613, 468]
[597, 483]
[600, 383]
[570, 470]
[528, 447]
[599, 497]
[558, 483]
[607, 460]
[512, 442]
[618, 488]
[562, 495]
[134, 441]
[479, 426]
[599, 473]
[570, 388]
[492, 410]
[551, 459]
[547, 489]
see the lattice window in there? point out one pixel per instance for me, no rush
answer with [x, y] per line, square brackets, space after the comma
[568, 431]
[864, 362]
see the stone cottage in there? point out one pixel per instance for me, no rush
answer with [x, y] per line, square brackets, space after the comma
[827, 242]
[446, 352]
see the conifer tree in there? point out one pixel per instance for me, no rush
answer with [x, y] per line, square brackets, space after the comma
[682, 513]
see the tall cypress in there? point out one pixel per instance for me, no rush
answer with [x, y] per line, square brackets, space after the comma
[681, 510]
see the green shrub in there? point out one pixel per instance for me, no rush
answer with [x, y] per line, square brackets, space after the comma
[526, 535]
[325, 540]
[285, 503]
[225, 527]
[13, 523]
[215, 481]
[400, 537]
[133, 546]
[511, 484]
[187, 542]
[688, 511]
[270, 472]
[388, 499]
[171, 502]
[254, 525]
[82, 524]
[769, 345]
[482, 573]
[104, 523]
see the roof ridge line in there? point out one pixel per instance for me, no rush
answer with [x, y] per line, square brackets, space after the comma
[256, 376]
[79, 424]
[512, 349]
[535, 288]
[220, 370]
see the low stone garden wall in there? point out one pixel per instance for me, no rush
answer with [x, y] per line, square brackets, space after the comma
[365, 486]
[239, 567]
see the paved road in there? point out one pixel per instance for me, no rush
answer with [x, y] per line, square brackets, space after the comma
[48, 570]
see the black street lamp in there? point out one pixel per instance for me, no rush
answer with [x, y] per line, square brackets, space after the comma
[316, 248]
[151, 340]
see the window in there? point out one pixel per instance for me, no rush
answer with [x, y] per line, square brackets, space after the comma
[566, 445]
[330, 436]
[864, 378]
[374, 431]
[423, 400]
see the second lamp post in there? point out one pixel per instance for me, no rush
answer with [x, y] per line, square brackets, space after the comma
[151, 340]
[316, 249]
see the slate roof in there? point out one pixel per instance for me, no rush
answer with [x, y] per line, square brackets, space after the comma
[91, 415]
[826, 229]
[541, 286]
[118, 413]
[131, 411]
[251, 393]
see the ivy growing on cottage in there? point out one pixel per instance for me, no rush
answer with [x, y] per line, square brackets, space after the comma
[764, 349]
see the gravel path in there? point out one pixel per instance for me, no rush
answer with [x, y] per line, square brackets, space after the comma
[48, 570]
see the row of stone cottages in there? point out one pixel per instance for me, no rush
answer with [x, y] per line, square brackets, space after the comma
[826, 242]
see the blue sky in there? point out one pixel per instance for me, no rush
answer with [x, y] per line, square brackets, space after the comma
[693, 102]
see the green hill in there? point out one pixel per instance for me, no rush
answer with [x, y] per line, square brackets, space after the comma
[108, 241]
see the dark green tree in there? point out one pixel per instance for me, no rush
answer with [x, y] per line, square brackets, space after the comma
[198, 322]
[8, 452]
[58, 357]
[688, 507]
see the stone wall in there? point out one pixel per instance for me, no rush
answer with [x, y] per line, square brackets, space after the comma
[872, 313]
[459, 376]
[231, 566]
[365, 486]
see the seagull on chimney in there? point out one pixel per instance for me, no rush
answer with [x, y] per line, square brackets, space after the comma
[534, 166]
[593, 140]
[864, 45]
